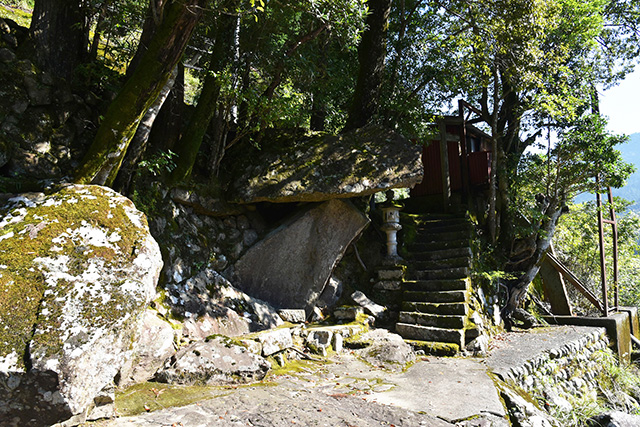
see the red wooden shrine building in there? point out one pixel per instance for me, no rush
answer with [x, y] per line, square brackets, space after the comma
[458, 159]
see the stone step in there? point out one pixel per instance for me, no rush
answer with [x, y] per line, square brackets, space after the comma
[429, 333]
[455, 308]
[462, 261]
[436, 285]
[434, 348]
[435, 320]
[437, 246]
[435, 296]
[444, 254]
[434, 220]
[439, 274]
[444, 227]
[431, 236]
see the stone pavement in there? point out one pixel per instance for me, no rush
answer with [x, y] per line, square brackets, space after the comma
[434, 391]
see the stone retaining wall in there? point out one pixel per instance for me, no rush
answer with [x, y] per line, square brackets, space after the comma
[567, 372]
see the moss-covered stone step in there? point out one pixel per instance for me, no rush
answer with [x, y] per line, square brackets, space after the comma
[435, 236]
[435, 320]
[436, 296]
[444, 227]
[434, 348]
[433, 220]
[455, 308]
[439, 274]
[434, 255]
[430, 333]
[437, 246]
[436, 285]
[461, 261]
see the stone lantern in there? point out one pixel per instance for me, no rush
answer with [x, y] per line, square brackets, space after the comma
[391, 225]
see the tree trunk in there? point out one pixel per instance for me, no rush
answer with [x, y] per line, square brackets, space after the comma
[167, 128]
[151, 23]
[58, 32]
[207, 105]
[518, 289]
[371, 55]
[102, 162]
[138, 144]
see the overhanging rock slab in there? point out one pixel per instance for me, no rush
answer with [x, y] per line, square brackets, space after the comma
[290, 267]
[318, 167]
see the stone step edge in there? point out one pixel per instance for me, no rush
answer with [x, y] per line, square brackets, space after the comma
[434, 348]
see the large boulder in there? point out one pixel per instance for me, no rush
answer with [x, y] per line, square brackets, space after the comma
[211, 305]
[317, 167]
[291, 266]
[214, 361]
[78, 267]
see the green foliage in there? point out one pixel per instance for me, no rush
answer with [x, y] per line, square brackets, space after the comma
[17, 10]
[158, 164]
[576, 244]
[618, 390]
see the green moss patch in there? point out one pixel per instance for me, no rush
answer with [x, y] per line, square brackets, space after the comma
[34, 238]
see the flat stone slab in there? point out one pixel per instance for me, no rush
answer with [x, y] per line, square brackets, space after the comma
[313, 167]
[514, 349]
[448, 388]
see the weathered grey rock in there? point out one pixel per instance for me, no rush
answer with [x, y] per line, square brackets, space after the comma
[386, 350]
[78, 268]
[207, 205]
[317, 167]
[291, 266]
[369, 306]
[212, 304]
[524, 413]
[319, 341]
[152, 349]
[293, 315]
[615, 419]
[224, 322]
[348, 314]
[212, 362]
[331, 293]
[38, 94]
[275, 341]
[337, 342]
[7, 55]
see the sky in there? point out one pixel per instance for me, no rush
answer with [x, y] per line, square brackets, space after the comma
[620, 104]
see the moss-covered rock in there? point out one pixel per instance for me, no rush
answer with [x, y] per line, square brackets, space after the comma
[317, 167]
[77, 269]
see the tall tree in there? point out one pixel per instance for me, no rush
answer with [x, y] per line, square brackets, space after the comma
[102, 161]
[59, 32]
[371, 56]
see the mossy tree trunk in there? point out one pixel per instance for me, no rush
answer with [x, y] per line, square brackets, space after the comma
[58, 33]
[371, 56]
[221, 58]
[101, 163]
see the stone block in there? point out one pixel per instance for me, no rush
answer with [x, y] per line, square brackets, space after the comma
[293, 315]
[348, 314]
[371, 307]
[388, 285]
[338, 343]
[390, 274]
[275, 341]
[319, 341]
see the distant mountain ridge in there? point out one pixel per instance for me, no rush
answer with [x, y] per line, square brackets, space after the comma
[630, 153]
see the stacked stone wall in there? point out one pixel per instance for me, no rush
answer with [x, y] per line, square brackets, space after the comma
[562, 374]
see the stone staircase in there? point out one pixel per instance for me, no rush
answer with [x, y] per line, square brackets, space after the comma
[436, 290]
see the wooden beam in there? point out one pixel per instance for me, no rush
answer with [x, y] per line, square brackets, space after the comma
[574, 281]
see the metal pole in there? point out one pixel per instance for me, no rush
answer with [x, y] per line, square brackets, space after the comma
[614, 226]
[603, 271]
